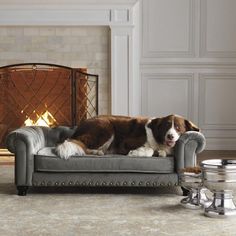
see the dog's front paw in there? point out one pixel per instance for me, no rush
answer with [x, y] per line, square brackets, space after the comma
[162, 153]
[149, 152]
[133, 153]
[141, 152]
[95, 152]
[100, 153]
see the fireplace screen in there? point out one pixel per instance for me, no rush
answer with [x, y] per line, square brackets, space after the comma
[45, 95]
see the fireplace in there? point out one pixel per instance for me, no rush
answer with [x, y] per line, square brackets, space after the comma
[119, 16]
[45, 95]
[122, 19]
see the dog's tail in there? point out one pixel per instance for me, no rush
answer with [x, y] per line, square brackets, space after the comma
[70, 148]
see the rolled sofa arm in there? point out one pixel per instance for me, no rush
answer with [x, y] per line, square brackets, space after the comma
[27, 141]
[188, 145]
[32, 136]
[24, 143]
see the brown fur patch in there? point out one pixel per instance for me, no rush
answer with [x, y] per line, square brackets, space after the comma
[129, 133]
[195, 170]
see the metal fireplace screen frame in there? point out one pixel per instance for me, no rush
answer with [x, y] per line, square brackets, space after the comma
[67, 95]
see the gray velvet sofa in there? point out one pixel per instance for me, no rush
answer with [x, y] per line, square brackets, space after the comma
[37, 165]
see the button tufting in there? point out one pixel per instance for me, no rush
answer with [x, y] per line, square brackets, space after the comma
[133, 183]
[56, 183]
[148, 183]
[43, 183]
[63, 183]
[140, 183]
[70, 183]
[111, 183]
[77, 183]
[125, 183]
[117, 183]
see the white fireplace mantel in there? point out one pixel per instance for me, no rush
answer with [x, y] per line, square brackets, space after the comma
[122, 16]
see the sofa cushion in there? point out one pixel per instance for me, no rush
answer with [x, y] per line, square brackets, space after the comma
[47, 161]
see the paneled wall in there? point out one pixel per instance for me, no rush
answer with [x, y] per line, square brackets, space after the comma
[188, 64]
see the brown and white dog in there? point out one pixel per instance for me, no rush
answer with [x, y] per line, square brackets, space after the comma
[133, 136]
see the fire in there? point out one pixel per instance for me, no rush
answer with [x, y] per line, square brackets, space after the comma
[46, 119]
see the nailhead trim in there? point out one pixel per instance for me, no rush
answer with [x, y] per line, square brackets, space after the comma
[104, 183]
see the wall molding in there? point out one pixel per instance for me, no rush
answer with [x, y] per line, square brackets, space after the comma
[189, 77]
[206, 64]
[203, 51]
[146, 53]
[203, 77]
[81, 13]
[221, 144]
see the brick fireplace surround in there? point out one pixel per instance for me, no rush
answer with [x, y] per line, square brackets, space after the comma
[121, 16]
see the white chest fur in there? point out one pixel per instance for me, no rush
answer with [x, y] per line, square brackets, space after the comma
[163, 150]
[151, 146]
[151, 142]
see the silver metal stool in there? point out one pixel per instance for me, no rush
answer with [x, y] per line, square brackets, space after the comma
[219, 176]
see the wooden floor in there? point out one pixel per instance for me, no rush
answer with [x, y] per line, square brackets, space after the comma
[207, 154]
[7, 160]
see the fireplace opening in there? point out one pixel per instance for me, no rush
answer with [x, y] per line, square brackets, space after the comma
[45, 95]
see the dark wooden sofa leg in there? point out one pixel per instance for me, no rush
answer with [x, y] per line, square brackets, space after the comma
[22, 190]
[185, 191]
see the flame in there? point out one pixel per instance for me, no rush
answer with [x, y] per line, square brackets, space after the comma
[28, 122]
[46, 119]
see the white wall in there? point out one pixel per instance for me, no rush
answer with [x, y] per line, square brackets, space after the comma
[188, 64]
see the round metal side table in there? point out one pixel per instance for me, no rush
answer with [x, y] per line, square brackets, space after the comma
[219, 176]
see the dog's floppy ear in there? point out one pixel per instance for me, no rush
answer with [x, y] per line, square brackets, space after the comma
[154, 123]
[190, 126]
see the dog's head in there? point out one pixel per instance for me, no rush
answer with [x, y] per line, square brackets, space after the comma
[167, 130]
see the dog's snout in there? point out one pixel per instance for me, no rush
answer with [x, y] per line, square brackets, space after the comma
[170, 136]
